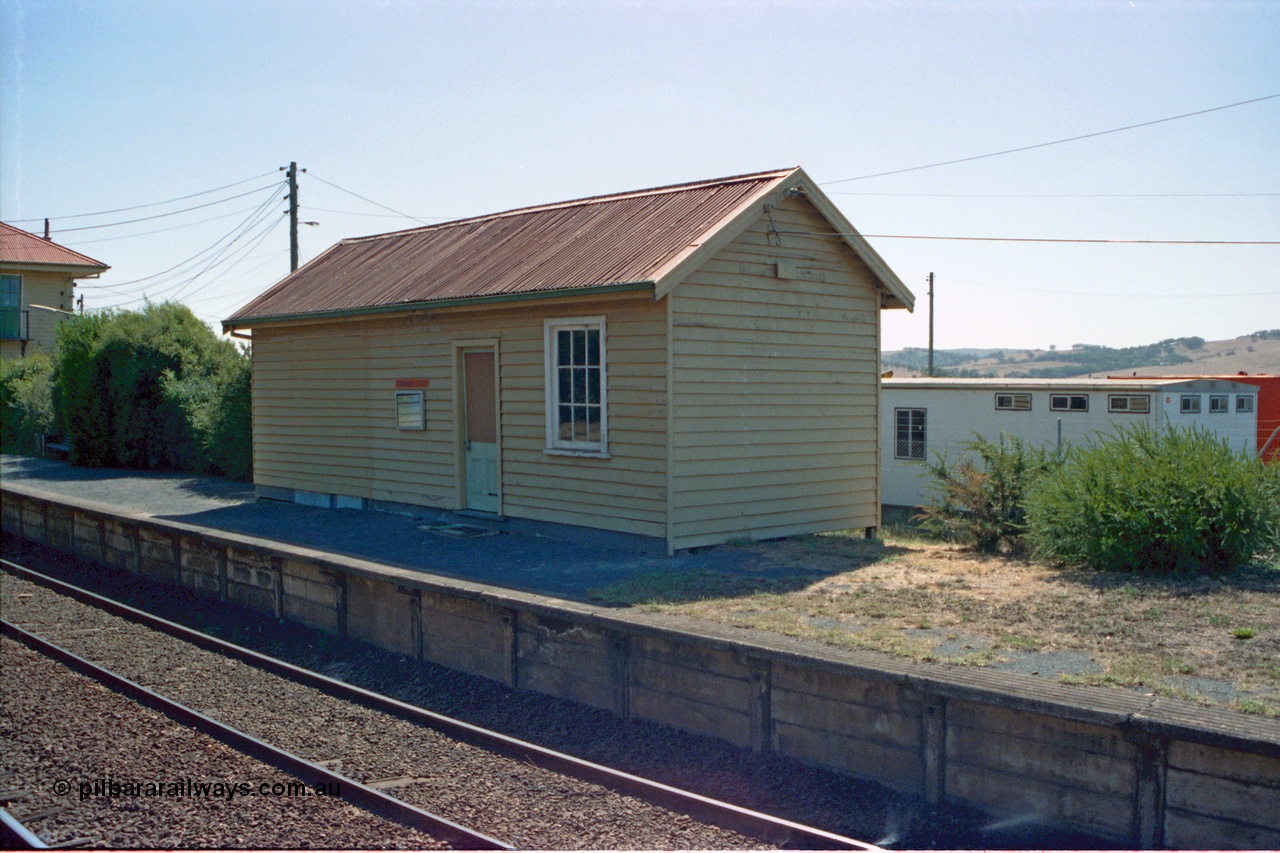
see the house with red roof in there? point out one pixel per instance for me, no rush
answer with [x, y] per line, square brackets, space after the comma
[692, 363]
[37, 289]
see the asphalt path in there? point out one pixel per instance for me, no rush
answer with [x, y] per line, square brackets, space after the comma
[558, 560]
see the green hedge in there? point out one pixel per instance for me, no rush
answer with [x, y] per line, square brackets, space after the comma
[26, 403]
[153, 389]
[1157, 501]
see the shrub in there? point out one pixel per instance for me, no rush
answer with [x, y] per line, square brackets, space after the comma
[217, 412]
[26, 403]
[141, 389]
[983, 497]
[1157, 501]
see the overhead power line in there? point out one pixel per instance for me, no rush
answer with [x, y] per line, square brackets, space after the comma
[227, 215]
[1206, 295]
[369, 200]
[385, 215]
[1064, 240]
[1112, 241]
[1043, 195]
[1054, 142]
[250, 221]
[150, 204]
[272, 187]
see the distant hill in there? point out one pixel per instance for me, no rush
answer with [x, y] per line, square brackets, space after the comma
[1258, 352]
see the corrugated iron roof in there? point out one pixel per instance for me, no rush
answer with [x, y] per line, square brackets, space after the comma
[586, 243]
[18, 246]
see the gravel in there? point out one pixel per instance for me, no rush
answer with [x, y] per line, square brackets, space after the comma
[523, 805]
[62, 728]
[765, 782]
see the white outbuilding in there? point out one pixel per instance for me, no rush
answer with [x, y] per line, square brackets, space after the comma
[923, 418]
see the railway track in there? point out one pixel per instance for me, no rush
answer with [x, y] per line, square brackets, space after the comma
[127, 734]
[602, 807]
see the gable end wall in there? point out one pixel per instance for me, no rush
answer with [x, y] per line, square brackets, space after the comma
[775, 386]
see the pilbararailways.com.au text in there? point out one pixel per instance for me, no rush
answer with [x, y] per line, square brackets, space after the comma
[223, 790]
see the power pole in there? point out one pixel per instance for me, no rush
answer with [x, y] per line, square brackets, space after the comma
[293, 219]
[930, 324]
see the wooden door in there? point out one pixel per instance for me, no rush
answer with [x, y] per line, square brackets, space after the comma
[480, 429]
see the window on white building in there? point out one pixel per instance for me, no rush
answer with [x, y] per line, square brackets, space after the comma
[1135, 404]
[1013, 402]
[910, 434]
[1069, 402]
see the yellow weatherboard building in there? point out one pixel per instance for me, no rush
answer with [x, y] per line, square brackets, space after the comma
[693, 363]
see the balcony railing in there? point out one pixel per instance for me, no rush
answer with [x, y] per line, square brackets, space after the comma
[14, 324]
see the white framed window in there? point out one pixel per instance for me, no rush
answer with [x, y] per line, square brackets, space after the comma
[577, 386]
[910, 434]
[1244, 403]
[1069, 402]
[1134, 404]
[1219, 404]
[1013, 402]
[1190, 404]
[410, 412]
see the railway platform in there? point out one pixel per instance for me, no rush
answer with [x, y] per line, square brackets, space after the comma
[547, 559]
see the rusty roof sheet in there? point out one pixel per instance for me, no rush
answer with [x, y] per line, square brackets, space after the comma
[23, 247]
[626, 238]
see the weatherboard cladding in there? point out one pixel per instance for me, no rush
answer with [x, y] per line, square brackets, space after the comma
[23, 247]
[605, 240]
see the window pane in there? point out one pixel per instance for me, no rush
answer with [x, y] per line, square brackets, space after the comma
[11, 291]
[562, 348]
[565, 386]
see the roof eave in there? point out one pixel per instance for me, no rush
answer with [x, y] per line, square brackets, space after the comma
[234, 323]
[77, 270]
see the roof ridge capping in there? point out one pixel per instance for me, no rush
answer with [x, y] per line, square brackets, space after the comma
[585, 200]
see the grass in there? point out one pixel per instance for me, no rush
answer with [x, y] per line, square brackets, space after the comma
[1209, 639]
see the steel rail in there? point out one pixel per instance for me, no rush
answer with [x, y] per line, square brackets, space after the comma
[312, 774]
[774, 830]
[15, 836]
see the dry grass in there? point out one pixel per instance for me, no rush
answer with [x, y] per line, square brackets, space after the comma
[1213, 639]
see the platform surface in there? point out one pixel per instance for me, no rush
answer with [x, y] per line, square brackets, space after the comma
[548, 559]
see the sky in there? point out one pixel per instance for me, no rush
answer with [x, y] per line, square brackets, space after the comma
[406, 111]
